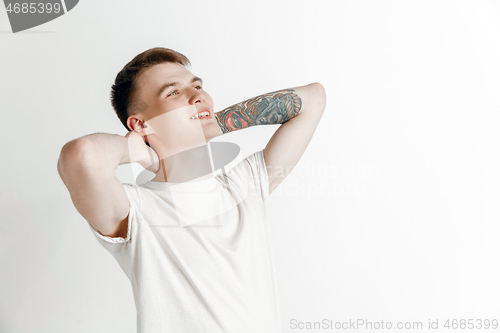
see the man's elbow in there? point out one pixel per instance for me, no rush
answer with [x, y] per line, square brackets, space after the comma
[319, 95]
[73, 156]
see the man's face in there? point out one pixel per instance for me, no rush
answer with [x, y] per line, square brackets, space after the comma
[173, 96]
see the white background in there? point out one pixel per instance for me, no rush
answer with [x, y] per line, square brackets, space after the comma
[392, 212]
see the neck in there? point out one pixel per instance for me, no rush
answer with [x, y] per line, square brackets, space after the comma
[187, 166]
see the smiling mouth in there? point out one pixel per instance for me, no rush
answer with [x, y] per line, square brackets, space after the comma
[202, 115]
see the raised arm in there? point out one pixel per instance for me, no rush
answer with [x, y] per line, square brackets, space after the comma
[87, 167]
[298, 109]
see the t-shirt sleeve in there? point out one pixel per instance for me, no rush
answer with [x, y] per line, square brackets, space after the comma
[252, 172]
[120, 244]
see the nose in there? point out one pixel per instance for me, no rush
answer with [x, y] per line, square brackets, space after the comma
[197, 96]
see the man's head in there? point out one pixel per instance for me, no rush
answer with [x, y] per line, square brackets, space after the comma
[157, 88]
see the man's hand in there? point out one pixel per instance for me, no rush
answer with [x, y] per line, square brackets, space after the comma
[141, 153]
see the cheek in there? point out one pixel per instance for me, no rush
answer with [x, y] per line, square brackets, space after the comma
[209, 100]
[171, 121]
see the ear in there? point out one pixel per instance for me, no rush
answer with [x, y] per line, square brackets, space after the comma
[133, 123]
[139, 126]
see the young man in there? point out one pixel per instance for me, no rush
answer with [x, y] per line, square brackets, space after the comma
[195, 246]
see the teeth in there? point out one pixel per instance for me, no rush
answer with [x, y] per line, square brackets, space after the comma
[201, 115]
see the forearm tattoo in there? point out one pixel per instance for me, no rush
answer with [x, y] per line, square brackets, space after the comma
[272, 108]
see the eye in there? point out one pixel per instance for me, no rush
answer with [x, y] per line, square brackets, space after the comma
[198, 87]
[171, 93]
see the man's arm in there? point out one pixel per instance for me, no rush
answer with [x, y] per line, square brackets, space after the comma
[87, 167]
[298, 109]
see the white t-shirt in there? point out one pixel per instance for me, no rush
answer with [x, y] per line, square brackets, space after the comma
[198, 254]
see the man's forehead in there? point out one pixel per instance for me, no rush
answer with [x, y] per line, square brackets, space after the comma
[166, 71]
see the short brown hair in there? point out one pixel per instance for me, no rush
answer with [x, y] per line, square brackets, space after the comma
[123, 91]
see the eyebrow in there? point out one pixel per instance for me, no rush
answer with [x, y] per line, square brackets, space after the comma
[172, 84]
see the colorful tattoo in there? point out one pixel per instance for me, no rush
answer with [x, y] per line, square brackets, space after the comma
[272, 108]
